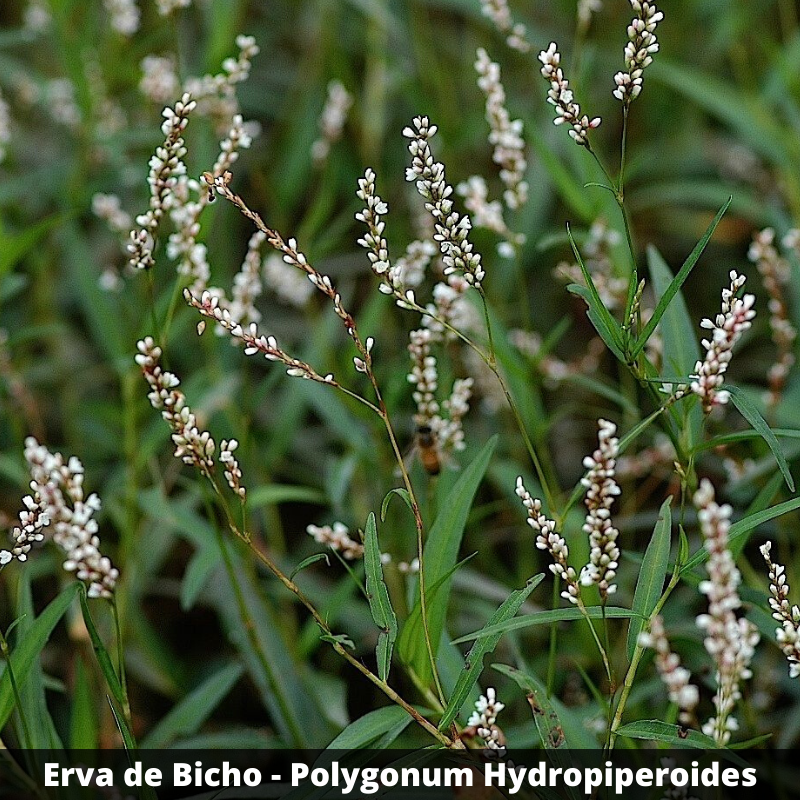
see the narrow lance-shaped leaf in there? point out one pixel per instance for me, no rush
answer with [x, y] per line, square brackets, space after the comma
[473, 662]
[379, 603]
[545, 716]
[546, 617]
[752, 415]
[651, 575]
[677, 282]
[681, 350]
[29, 647]
[439, 557]
[743, 526]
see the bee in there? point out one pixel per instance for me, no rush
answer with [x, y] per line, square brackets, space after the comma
[428, 449]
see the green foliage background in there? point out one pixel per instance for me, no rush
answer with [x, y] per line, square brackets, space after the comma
[719, 116]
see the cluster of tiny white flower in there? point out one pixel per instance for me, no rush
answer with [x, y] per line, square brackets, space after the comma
[602, 491]
[337, 537]
[373, 240]
[638, 51]
[59, 99]
[448, 432]
[484, 721]
[452, 229]
[547, 538]
[500, 15]
[288, 285]
[166, 7]
[247, 286]
[331, 122]
[33, 519]
[192, 445]
[729, 640]
[774, 270]
[726, 329]
[585, 10]
[5, 127]
[124, 16]
[231, 468]
[187, 202]
[159, 81]
[58, 485]
[108, 208]
[788, 634]
[166, 166]
[424, 377]
[560, 96]
[36, 16]
[676, 678]
[409, 269]
[505, 134]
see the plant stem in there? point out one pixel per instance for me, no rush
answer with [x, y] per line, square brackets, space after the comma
[630, 675]
[123, 681]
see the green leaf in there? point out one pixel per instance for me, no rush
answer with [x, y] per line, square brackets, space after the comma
[473, 661]
[83, 717]
[681, 350]
[16, 247]
[546, 617]
[117, 697]
[30, 646]
[371, 726]
[651, 575]
[307, 562]
[677, 282]
[186, 718]
[605, 332]
[276, 493]
[752, 415]
[402, 494]
[197, 574]
[548, 724]
[380, 605]
[338, 638]
[653, 730]
[412, 632]
[743, 526]
[439, 557]
[597, 308]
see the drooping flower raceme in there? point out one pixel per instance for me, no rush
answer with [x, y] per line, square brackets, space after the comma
[332, 120]
[452, 229]
[560, 96]
[638, 51]
[58, 485]
[337, 537]
[774, 270]
[676, 678]
[548, 539]
[788, 634]
[730, 640]
[726, 329]
[505, 134]
[499, 13]
[166, 167]
[483, 721]
[602, 491]
[33, 519]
